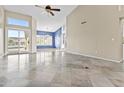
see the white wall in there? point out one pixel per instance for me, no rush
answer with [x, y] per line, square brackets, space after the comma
[100, 36]
[1, 31]
[34, 32]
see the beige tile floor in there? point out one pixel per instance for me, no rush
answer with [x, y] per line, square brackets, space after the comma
[59, 69]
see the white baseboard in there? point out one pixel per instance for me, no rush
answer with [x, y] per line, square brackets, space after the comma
[76, 53]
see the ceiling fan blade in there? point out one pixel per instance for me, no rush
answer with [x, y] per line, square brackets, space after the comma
[39, 6]
[55, 10]
[51, 13]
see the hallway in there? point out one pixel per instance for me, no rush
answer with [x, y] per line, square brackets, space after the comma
[55, 68]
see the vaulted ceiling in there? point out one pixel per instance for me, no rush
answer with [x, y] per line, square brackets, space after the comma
[45, 22]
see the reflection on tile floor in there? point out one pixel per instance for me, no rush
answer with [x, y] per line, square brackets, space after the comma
[59, 69]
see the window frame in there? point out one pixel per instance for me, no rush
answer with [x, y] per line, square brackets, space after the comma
[17, 16]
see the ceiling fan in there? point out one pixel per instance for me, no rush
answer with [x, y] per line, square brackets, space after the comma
[49, 9]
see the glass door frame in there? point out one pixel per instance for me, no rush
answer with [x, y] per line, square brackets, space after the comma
[6, 41]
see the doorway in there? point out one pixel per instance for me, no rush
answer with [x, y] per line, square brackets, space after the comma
[18, 41]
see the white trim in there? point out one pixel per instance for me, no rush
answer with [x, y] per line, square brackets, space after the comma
[76, 53]
[2, 55]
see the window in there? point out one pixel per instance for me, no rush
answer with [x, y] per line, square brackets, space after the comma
[18, 22]
[48, 40]
[18, 27]
[16, 39]
[44, 40]
[39, 40]
[12, 33]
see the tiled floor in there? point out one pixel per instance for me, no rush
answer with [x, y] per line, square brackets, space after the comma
[59, 69]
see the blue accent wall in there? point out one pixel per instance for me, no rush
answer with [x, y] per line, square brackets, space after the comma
[56, 43]
[57, 38]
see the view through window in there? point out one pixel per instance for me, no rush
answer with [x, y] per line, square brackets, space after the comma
[16, 40]
[44, 40]
[18, 22]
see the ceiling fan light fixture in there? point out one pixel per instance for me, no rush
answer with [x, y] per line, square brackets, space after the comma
[49, 9]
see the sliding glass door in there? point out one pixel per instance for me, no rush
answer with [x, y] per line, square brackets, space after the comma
[18, 41]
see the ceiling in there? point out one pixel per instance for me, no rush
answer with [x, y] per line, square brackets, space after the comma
[45, 22]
